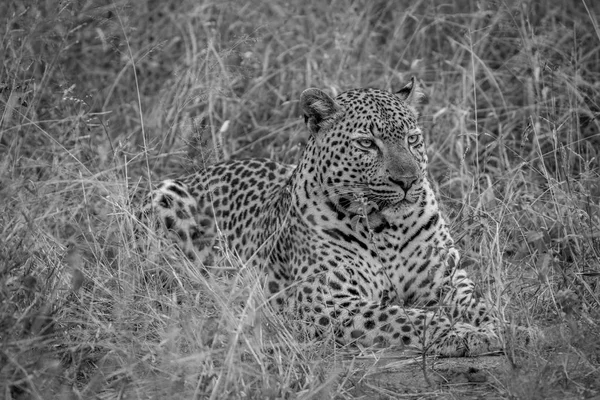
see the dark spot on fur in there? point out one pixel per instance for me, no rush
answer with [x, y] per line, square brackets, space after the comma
[166, 201]
[369, 324]
[273, 287]
[357, 333]
[169, 222]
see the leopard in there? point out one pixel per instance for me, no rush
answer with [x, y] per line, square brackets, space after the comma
[351, 239]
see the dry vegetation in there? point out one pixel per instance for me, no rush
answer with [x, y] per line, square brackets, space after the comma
[100, 98]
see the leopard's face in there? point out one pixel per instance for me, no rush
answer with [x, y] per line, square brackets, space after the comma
[372, 158]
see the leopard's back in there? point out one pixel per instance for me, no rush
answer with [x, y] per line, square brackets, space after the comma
[226, 204]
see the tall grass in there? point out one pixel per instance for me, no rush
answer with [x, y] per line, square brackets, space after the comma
[99, 99]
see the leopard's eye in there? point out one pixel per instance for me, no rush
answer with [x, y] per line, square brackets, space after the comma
[413, 139]
[366, 143]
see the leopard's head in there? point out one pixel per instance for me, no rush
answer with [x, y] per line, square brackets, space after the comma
[366, 149]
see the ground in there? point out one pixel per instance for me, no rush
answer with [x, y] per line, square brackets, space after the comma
[100, 99]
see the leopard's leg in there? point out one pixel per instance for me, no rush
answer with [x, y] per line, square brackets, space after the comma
[472, 309]
[369, 323]
[463, 302]
[460, 300]
[180, 214]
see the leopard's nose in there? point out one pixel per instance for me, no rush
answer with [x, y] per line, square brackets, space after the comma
[405, 182]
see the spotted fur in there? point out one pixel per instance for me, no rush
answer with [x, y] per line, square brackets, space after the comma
[352, 239]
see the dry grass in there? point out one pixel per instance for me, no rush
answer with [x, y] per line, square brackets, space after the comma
[100, 98]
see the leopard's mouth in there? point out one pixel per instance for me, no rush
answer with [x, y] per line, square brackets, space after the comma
[395, 201]
[369, 205]
[398, 201]
[404, 203]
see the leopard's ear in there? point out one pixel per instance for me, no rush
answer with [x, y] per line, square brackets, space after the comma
[411, 93]
[319, 110]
